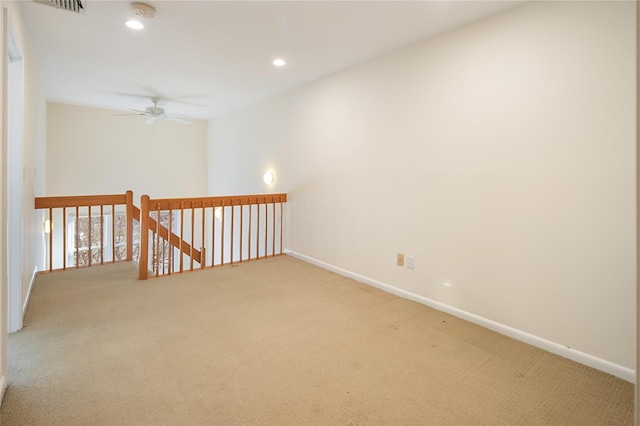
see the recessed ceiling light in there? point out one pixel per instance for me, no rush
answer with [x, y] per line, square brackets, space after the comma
[279, 62]
[135, 25]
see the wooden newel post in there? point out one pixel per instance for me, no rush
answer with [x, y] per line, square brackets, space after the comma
[129, 200]
[144, 238]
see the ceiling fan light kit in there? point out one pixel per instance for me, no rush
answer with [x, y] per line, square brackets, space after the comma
[143, 10]
[140, 10]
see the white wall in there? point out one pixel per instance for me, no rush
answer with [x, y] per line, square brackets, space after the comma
[500, 155]
[637, 389]
[33, 149]
[3, 235]
[637, 405]
[89, 151]
[33, 159]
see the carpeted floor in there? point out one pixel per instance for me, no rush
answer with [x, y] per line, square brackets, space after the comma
[278, 342]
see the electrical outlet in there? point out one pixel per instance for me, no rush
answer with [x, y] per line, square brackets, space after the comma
[409, 261]
[400, 259]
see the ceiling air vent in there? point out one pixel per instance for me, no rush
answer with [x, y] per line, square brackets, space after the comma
[70, 5]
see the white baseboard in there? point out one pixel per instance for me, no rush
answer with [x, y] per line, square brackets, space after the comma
[26, 299]
[3, 387]
[624, 373]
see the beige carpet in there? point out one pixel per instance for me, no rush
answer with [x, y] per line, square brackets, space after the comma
[278, 342]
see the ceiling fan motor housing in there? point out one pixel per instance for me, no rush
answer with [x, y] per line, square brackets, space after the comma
[154, 110]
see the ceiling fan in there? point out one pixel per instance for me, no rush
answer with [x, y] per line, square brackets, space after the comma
[155, 112]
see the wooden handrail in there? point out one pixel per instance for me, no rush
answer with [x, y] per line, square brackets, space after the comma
[95, 202]
[207, 208]
[238, 200]
[234, 240]
[136, 213]
[80, 200]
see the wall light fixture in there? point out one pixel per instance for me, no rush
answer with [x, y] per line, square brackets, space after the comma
[268, 178]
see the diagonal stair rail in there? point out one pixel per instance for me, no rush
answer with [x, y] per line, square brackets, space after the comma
[169, 237]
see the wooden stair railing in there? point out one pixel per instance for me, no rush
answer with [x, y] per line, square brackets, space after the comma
[87, 237]
[253, 231]
[163, 232]
[88, 230]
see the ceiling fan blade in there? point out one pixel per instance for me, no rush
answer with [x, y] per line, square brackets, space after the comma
[176, 116]
[129, 114]
[153, 94]
[150, 120]
[177, 120]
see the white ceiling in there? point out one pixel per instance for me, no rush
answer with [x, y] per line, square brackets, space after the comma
[204, 58]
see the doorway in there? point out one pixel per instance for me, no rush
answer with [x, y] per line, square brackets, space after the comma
[14, 175]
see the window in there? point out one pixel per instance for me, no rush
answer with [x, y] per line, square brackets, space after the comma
[99, 239]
